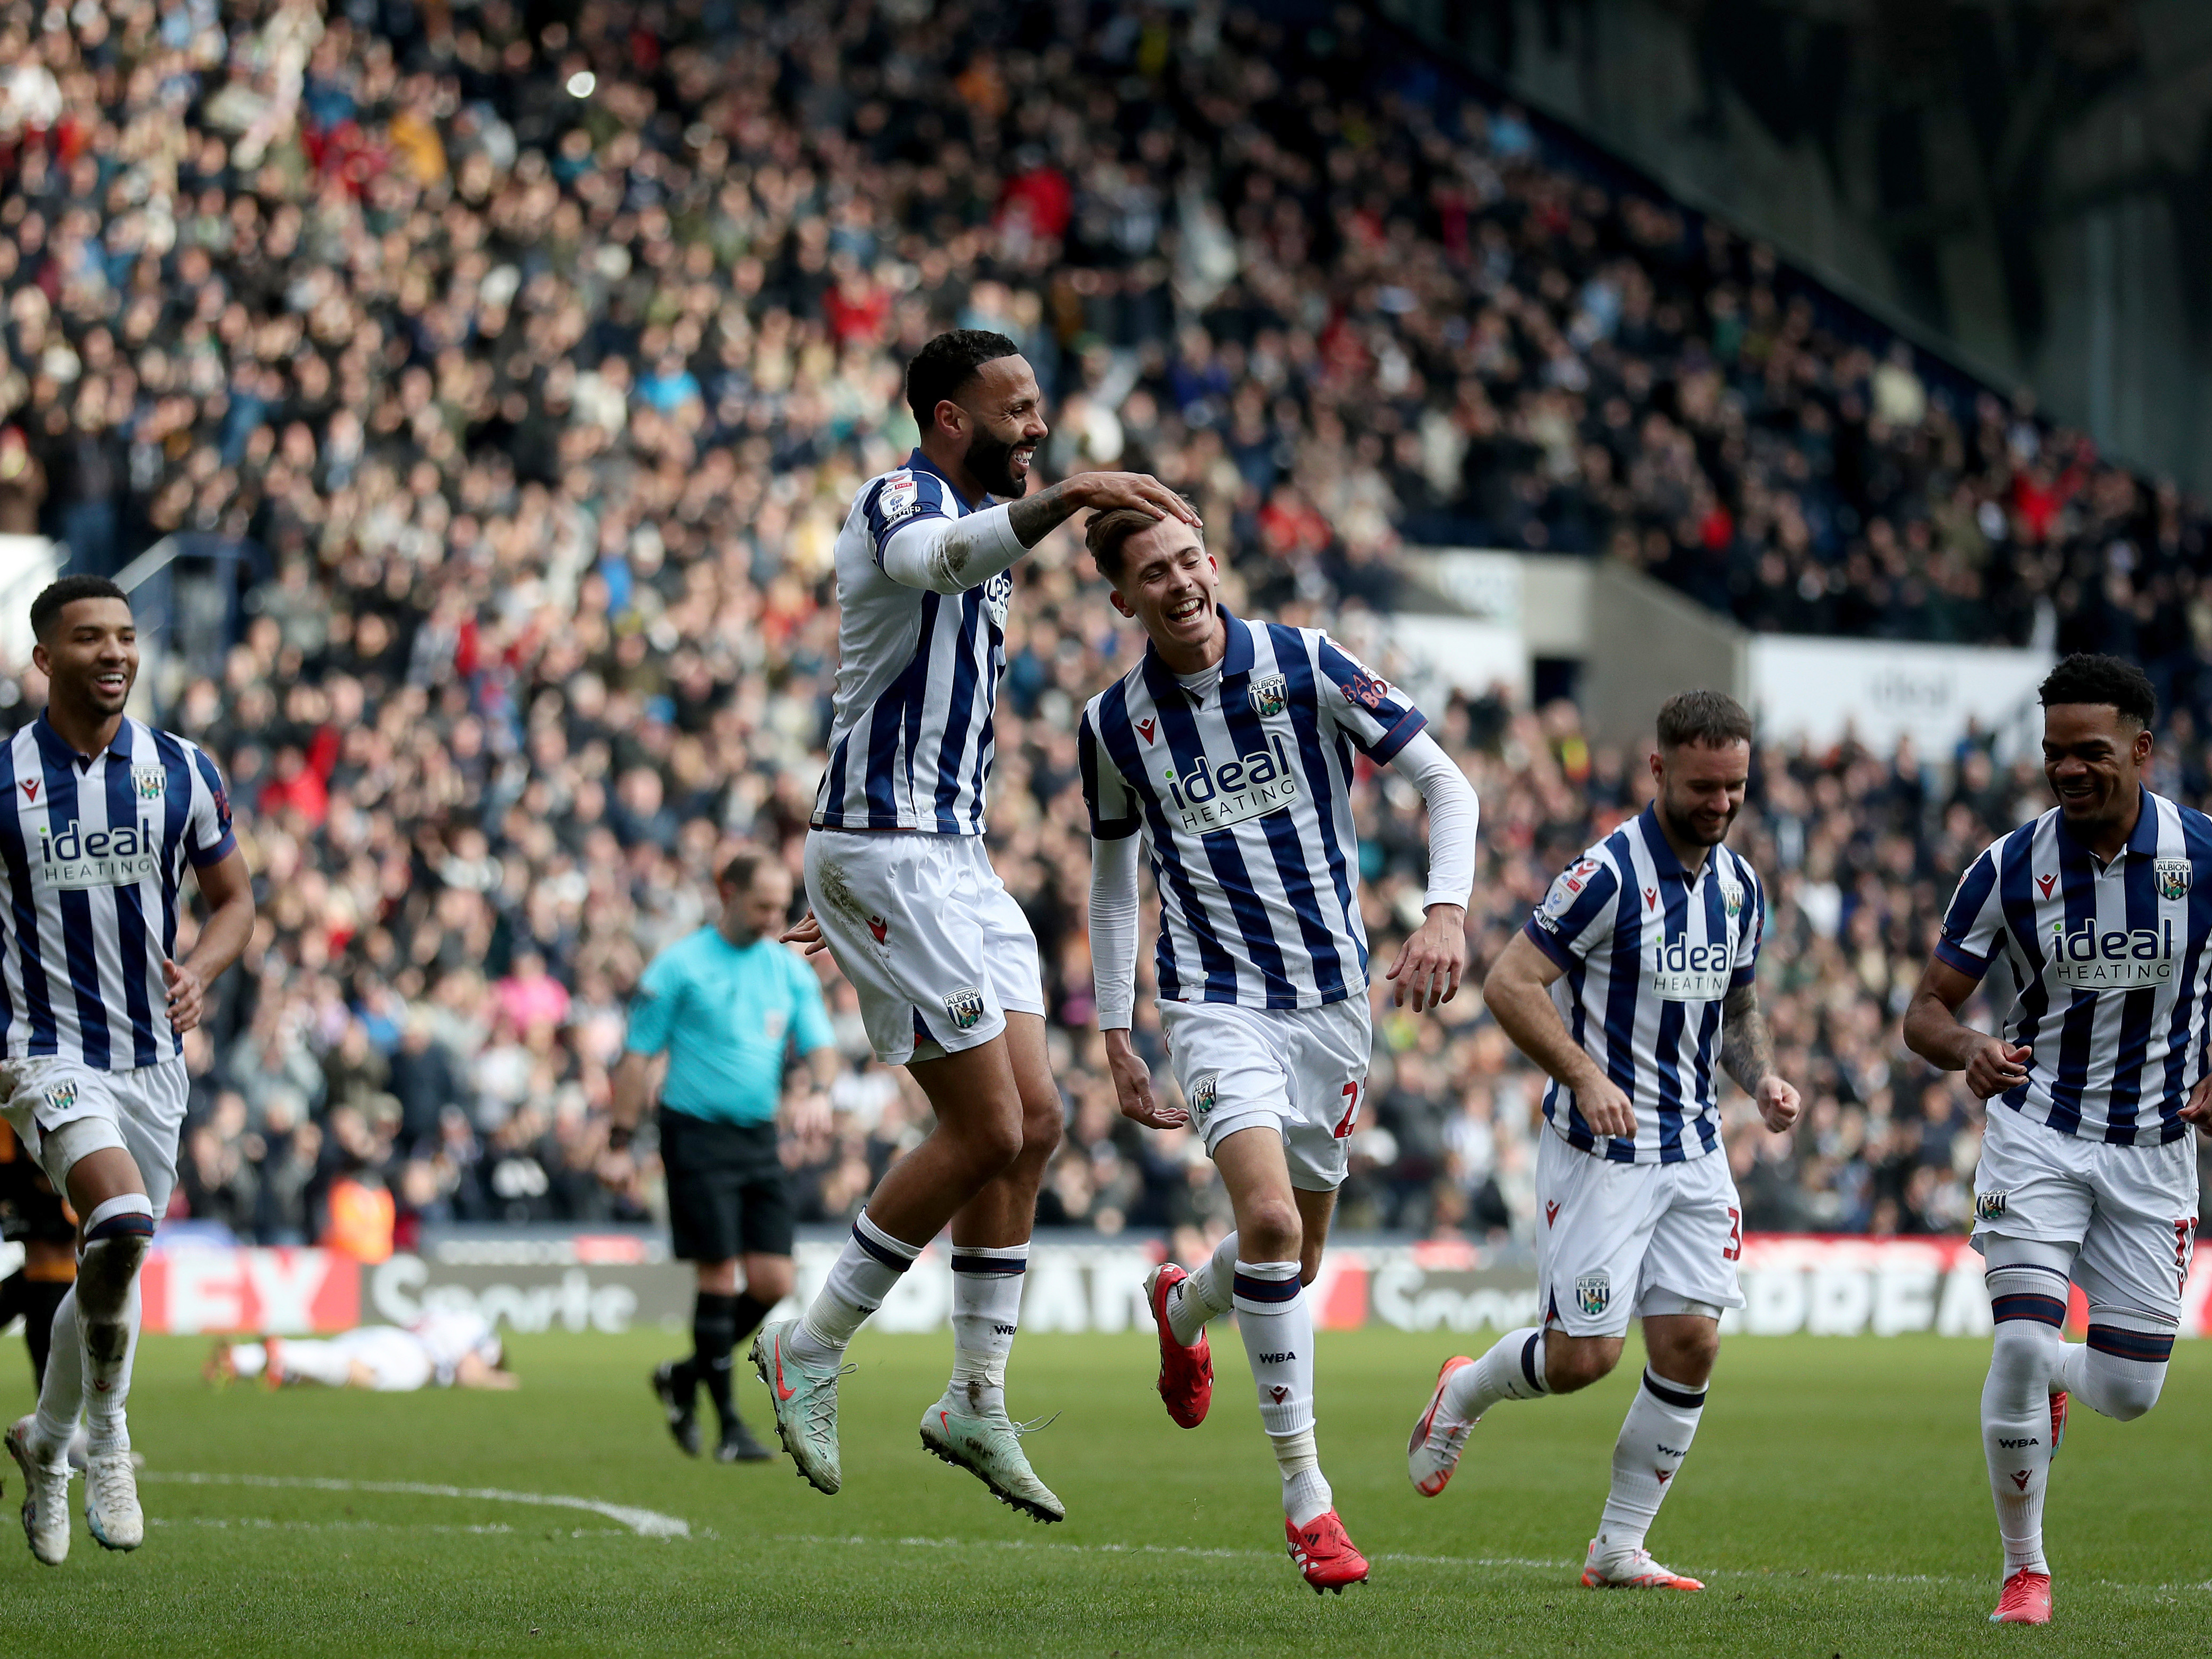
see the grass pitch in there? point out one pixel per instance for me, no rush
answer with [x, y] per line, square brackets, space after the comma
[1835, 1506]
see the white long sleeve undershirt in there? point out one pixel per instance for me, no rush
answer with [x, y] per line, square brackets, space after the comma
[1454, 815]
[950, 556]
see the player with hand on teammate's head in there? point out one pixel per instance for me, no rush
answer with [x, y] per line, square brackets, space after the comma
[1633, 977]
[103, 815]
[902, 893]
[1225, 758]
[2089, 931]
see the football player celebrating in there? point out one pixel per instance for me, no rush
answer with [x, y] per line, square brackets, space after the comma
[104, 816]
[904, 896]
[1632, 978]
[2089, 929]
[1226, 755]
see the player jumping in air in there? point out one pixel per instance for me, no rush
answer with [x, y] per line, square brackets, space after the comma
[904, 895]
[1632, 980]
[1226, 754]
[2089, 930]
[103, 814]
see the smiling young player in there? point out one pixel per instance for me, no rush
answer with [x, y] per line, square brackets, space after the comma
[904, 894]
[1226, 754]
[103, 814]
[1632, 985]
[2088, 929]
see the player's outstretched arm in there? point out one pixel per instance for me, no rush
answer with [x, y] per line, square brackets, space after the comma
[1934, 1031]
[229, 888]
[1518, 994]
[1747, 1055]
[950, 556]
[1036, 516]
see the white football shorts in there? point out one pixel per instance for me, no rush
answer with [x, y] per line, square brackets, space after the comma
[1617, 1241]
[930, 937]
[63, 1110]
[2130, 1211]
[1301, 1071]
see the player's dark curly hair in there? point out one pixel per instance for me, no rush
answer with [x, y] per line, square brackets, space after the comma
[57, 596]
[1711, 720]
[947, 363]
[2085, 678]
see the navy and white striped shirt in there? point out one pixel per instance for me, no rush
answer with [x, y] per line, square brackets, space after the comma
[1650, 952]
[92, 856]
[1244, 796]
[910, 737]
[2102, 973]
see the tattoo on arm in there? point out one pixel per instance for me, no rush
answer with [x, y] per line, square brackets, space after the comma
[1035, 517]
[1747, 1047]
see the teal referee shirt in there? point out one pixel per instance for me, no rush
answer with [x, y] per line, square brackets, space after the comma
[723, 1015]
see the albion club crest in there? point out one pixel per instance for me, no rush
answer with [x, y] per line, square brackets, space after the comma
[2173, 877]
[965, 1007]
[1271, 694]
[1593, 1291]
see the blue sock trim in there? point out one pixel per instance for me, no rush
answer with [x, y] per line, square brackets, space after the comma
[1682, 1399]
[1528, 1362]
[1248, 1289]
[890, 1258]
[2139, 1345]
[2026, 1305]
[1004, 1267]
[131, 1223]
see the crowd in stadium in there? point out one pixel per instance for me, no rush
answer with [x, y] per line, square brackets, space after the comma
[541, 372]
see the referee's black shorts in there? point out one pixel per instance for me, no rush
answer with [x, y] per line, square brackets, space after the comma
[726, 1196]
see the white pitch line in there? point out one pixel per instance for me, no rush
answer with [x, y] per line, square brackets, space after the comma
[646, 1523]
[1489, 1561]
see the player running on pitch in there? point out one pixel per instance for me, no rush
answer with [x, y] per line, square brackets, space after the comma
[1226, 755]
[103, 814]
[2090, 930]
[1631, 980]
[904, 894]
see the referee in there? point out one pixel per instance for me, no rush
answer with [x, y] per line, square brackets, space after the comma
[721, 1006]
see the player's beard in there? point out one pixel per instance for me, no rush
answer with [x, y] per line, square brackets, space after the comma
[990, 461]
[1683, 828]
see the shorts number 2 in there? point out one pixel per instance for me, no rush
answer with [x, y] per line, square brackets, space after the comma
[1350, 1110]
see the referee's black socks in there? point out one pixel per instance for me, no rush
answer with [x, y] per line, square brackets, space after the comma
[713, 1334]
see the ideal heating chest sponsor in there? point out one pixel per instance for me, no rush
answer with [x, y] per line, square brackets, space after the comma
[1206, 797]
[2087, 959]
[74, 858]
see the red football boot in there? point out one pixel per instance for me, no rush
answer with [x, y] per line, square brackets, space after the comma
[2058, 1421]
[1324, 1554]
[1185, 1373]
[2026, 1600]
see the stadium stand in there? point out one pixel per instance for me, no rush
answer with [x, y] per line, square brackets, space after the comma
[535, 357]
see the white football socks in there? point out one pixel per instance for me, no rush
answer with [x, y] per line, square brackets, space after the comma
[1655, 1437]
[2119, 1372]
[61, 1394]
[986, 1309]
[1206, 1295]
[1277, 1324]
[860, 1278]
[1512, 1370]
[2029, 1304]
[249, 1359]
